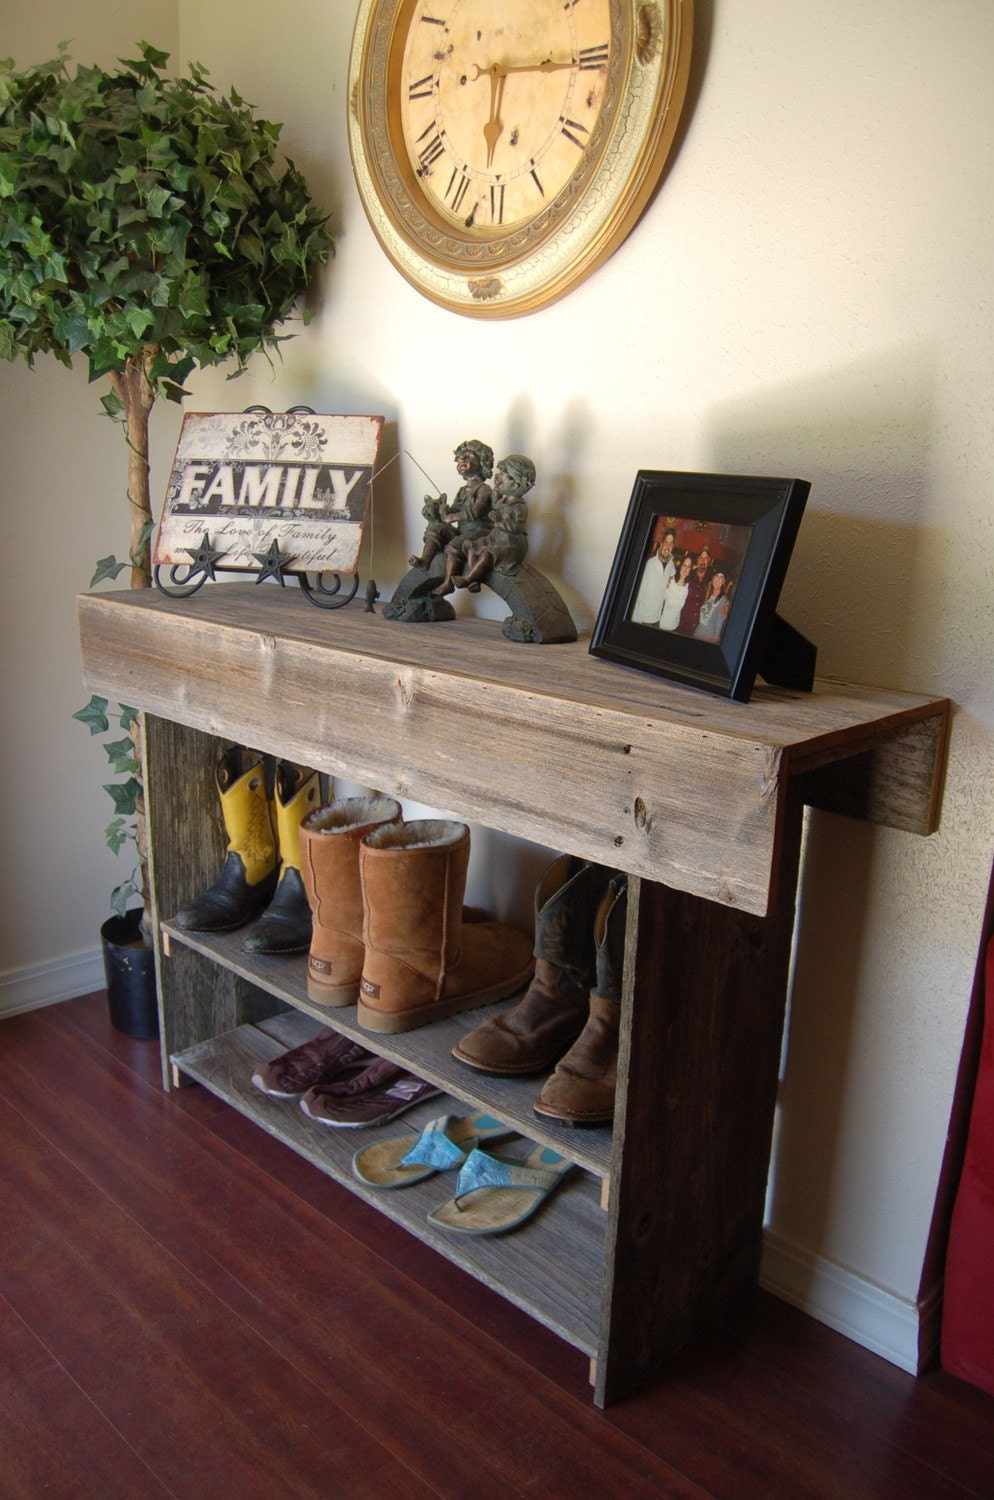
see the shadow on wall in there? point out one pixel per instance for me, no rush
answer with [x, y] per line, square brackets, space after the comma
[862, 576]
[864, 569]
[832, 919]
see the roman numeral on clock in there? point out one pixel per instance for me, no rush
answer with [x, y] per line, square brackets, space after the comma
[456, 190]
[568, 127]
[421, 89]
[594, 57]
[430, 153]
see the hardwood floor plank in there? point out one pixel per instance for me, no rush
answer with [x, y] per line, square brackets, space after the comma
[180, 1190]
[53, 1440]
[367, 1331]
[816, 1359]
[210, 1406]
[737, 1416]
[172, 1184]
[191, 1301]
[464, 1412]
[89, 1015]
[929, 1416]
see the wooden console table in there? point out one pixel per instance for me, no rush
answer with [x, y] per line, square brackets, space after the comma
[698, 798]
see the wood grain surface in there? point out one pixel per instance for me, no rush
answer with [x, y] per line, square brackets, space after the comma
[189, 1309]
[648, 776]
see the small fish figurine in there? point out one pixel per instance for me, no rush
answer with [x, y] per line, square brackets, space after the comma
[372, 594]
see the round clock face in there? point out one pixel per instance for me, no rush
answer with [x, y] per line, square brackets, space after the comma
[503, 148]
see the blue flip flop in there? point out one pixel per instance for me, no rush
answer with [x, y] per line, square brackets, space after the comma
[443, 1144]
[497, 1193]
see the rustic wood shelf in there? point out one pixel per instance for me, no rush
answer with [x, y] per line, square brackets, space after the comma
[426, 1052]
[531, 740]
[524, 1267]
[699, 799]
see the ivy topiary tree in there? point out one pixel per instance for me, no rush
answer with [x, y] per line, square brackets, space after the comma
[146, 226]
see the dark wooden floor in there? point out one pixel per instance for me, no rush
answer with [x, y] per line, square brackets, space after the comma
[187, 1308]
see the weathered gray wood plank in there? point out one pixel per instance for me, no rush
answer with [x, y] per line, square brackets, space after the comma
[646, 775]
[698, 1072]
[197, 998]
[894, 782]
[552, 1267]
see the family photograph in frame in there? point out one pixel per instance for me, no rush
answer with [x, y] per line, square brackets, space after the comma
[697, 575]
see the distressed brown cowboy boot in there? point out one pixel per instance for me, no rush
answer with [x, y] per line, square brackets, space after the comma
[285, 926]
[582, 1088]
[424, 959]
[247, 878]
[329, 854]
[547, 1021]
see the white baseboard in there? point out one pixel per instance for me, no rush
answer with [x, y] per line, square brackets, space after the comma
[900, 1330]
[45, 984]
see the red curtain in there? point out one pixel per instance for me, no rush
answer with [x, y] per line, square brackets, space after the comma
[968, 1302]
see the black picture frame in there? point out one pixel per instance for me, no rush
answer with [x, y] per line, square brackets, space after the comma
[750, 524]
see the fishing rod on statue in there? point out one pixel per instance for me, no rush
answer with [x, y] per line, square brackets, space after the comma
[372, 593]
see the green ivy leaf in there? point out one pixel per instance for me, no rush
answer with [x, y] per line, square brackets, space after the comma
[94, 715]
[124, 795]
[122, 894]
[121, 754]
[117, 835]
[107, 567]
[115, 185]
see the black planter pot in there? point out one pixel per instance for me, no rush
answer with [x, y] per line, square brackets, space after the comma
[129, 968]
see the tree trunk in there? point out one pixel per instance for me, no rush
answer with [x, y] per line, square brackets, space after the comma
[137, 394]
[137, 732]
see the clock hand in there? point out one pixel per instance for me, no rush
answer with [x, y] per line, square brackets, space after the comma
[498, 73]
[493, 128]
[500, 70]
[548, 66]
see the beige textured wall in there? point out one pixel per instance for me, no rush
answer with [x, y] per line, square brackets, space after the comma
[64, 505]
[808, 294]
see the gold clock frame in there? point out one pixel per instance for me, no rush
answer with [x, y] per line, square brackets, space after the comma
[501, 274]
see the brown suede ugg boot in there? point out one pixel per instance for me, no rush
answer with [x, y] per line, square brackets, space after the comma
[582, 1088]
[329, 865]
[547, 1021]
[423, 959]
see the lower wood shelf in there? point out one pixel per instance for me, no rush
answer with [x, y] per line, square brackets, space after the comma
[426, 1051]
[552, 1267]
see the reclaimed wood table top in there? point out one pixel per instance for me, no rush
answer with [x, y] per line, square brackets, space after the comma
[545, 742]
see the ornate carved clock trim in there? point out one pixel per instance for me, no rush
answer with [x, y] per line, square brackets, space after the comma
[497, 215]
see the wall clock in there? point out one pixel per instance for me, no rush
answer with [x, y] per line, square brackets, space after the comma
[504, 148]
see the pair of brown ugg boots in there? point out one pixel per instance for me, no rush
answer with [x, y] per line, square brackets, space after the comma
[389, 926]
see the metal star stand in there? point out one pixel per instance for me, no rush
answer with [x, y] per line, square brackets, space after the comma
[205, 563]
